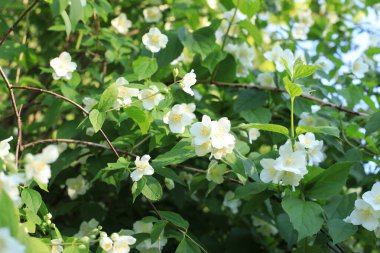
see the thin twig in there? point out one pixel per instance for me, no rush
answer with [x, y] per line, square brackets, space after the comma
[275, 89]
[71, 102]
[78, 142]
[18, 21]
[24, 40]
[17, 114]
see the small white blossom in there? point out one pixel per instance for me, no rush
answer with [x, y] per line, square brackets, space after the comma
[125, 93]
[89, 103]
[253, 134]
[142, 168]
[179, 117]
[63, 66]
[308, 140]
[106, 243]
[315, 108]
[5, 147]
[360, 68]
[56, 245]
[154, 40]
[150, 97]
[201, 131]
[325, 64]
[231, 203]
[121, 23]
[87, 228]
[76, 186]
[8, 244]
[275, 56]
[306, 119]
[188, 80]
[38, 166]
[300, 31]
[220, 133]
[152, 14]
[364, 215]
[238, 17]
[372, 197]
[147, 245]
[10, 185]
[316, 154]
[266, 80]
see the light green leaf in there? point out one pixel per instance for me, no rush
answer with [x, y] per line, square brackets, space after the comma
[293, 89]
[8, 213]
[174, 218]
[140, 117]
[67, 22]
[32, 199]
[248, 7]
[37, 245]
[97, 119]
[305, 216]
[76, 13]
[59, 6]
[144, 67]
[187, 246]
[330, 182]
[182, 151]
[304, 71]
[329, 130]
[108, 98]
[373, 124]
[152, 189]
[267, 127]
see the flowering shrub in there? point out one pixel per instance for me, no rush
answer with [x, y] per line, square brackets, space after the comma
[189, 126]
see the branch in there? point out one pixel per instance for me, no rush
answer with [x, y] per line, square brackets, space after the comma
[17, 114]
[18, 21]
[71, 102]
[275, 89]
[77, 142]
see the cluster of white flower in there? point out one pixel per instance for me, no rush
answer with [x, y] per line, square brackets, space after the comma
[367, 210]
[8, 244]
[10, 184]
[231, 203]
[180, 116]
[152, 14]
[324, 64]
[121, 23]
[305, 21]
[150, 97]
[63, 66]
[88, 231]
[253, 134]
[38, 166]
[212, 136]
[278, 56]
[266, 80]
[116, 243]
[76, 186]
[154, 40]
[244, 55]
[125, 93]
[227, 19]
[187, 81]
[360, 68]
[290, 167]
[142, 168]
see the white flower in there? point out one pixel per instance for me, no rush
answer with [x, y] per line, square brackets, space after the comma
[63, 66]
[56, 245]
[316, 154]
[308, 140]
[266, 79]
[231, 203]
[8, 244]
[76, 186]
[150, 97]
[325, 64]
[154, 40]
[218, 153]
[179, 117]
[306, 119]
[201, 131]
[146, 245]
[5, 147]
[275, 56]
[359, 68]
[242, 53]
[121, 23]
[238, 17]
[372, 197]
[220, 136]
[242, 70]
[125, 93]
[264, 227]
[37, 166]
[203, 149]
[121, 244]
[188, 80]
[152, 14]
[315, 108]
[253, 134]
[106, 243]
[10, 185]
[269, 172]
[87, 228]
[364, 215]
[89, 103]
[142, 168]
[299, 31]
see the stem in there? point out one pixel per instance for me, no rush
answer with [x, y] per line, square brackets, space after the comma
[292, 122]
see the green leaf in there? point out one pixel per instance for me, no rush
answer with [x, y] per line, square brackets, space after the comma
[137, 188]
[37, 245]
[8, 213]
[59, 6]
[187, 246]
[293, 89]
[373, 124]
[253, 31]
[330, 182]
[182, 151]
[157, 230]
[340, 230]
[174, 218]
[267, 127]
[97, 119]
[32, 199]
[76, 13]
[213, 59]
[339, 207]
[305, 216]
[304, 71]
[152, 189]
[249, 189]
[139, 117]
[108, 98]
[67, 22]
[201, 41]
[144, 67]
[248, 7]
[329, 130]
